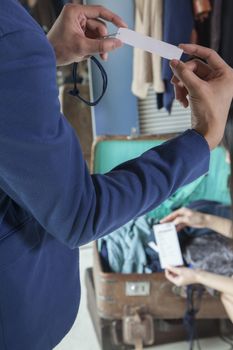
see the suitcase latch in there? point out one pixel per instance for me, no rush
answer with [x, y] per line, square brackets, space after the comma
[137, 289]
[138, 327]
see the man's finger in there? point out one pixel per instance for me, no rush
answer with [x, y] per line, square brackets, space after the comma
[188, 78]
[108, 45]
[201, 69]
[211, 56]
[102, 12]
[181, 94]
[96, 28]
[93, 46]
[104, 56]
[174, 80]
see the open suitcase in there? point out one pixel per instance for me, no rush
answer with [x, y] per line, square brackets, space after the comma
[136, 310]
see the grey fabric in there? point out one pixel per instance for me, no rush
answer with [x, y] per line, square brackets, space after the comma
[212, 253]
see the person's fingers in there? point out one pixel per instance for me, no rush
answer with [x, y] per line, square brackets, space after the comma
[104, 56]
[176, 81]
[172, 277]
[169, 218]
[181, 94]
[200, 68]
[173, 215]
[180, 220]
[175, 270]
[101, 12]
[211, 56]
[180, 91]
[169, 276]
[96, 29]
[184, 74]
[93, 46]
[180, 227]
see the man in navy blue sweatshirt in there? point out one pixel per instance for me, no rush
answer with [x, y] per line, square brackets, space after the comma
[49, 203]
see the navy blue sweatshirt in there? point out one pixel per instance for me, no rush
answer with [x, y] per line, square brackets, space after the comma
[49, 203]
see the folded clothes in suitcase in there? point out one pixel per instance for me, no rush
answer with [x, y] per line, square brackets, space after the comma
[137, 300]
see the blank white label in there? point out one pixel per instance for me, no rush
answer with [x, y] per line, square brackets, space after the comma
[146, 43]
[168, 245]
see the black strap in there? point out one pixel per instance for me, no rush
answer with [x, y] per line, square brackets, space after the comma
[76, 93]
[194, 294]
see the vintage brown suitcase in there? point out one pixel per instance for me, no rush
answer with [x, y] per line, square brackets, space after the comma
[143, 308]
[110, 331]
[152, 292]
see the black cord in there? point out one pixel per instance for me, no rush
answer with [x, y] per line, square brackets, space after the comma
[190, 315]
[76, 93]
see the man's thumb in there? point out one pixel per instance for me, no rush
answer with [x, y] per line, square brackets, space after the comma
[101, 45]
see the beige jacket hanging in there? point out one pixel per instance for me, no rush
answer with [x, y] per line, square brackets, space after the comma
[147, 68]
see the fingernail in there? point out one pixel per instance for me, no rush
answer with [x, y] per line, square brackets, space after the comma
[174, 63]
[105, 56]
[118, 43]
[187, 48]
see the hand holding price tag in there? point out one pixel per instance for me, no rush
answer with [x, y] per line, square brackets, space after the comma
[168, 245]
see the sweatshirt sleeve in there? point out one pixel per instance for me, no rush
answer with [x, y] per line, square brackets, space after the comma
[41, 163]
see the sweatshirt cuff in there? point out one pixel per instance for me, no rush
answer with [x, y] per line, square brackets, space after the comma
[196, 149]
[203, 138]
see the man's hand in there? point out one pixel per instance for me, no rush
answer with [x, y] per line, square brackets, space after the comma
[78, 33]
[207, 87]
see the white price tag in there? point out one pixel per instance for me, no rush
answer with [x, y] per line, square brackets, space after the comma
[168, 245]
[146, 43]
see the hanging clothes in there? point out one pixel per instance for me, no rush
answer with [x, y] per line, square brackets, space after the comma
[226, 46]
[147, 67]
[216, 23]
[202, 10]
[46, 12]
[177, 28]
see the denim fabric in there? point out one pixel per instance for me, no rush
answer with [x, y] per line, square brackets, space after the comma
[178, 25]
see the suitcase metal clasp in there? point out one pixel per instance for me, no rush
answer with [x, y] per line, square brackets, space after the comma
[138, 327]
[137, 288]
